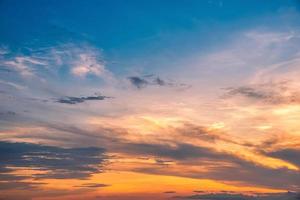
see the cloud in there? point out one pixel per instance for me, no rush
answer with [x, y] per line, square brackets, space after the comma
[7, 115]
[5, 70]
[175, 157]
[178, 158]
[270, 93]
[138, 82]
[82, 61]
[235, 196]
[163, 162]
[217, 165]
[170, 192]
[79, 60]
[289, 154]
[151, 80]
[24, 65]
[221, 196]
[3, 50]
[12, 85]
[180, 151]
[76, 100]
[51, 162]
[92, 185]
[18, 185]
[88, 64]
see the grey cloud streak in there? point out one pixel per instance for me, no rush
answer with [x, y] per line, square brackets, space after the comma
[238, 169]
[220, 165]
[288, 154]
[234, 196]
[54, 162]
[76, 100]
[141, 82]
[270, 93]
[184, 154]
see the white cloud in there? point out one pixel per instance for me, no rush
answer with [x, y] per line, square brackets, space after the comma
[88, 64]
[267, 38]
[240, 59]
[11, 84]
[79, 60]
[24, 65]
[3, 51]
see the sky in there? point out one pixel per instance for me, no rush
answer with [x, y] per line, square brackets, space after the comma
[141, 99]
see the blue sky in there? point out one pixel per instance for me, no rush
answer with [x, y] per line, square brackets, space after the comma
[154, 33]
[129, 30]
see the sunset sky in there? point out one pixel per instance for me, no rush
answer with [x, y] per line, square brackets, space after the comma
[149, 99]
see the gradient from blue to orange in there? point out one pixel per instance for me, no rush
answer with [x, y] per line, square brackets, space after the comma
[149, 99]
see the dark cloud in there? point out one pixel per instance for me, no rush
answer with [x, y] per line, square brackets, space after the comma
[76, 100]
[249, 92]
[179, 152]
[162, 161]
[138, 82]
[148, 80]
[6, 115]
[54, 162]
[92, 185]
[253, 174]
[290, 155]
[170, 192]
[159, 81]
[221, 196]
[273, 93]
[103, 136]
[229, 196]
[219, 165]
[198, 132]
[5, 69]
[18, 185]
[199, 191]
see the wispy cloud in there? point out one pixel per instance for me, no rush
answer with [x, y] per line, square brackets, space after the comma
[170, 192]
[151, 80]
[12, 84]
[24, 65]
[236, 196]
[217, 165]
[88, 64]
[76, 100]
[80, 60]
[92, 185]
[138, 82]
[52, 162]
[3, 50]
[271, 93]
[288, 154]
